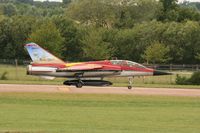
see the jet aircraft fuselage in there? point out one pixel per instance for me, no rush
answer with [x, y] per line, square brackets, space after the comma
[83, 73]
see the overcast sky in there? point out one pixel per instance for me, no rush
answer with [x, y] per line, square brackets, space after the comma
[190, 0]
[61, 0]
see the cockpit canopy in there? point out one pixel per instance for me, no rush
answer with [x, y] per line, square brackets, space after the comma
[126, 63]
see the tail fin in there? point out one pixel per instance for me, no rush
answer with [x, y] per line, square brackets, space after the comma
[39, 55]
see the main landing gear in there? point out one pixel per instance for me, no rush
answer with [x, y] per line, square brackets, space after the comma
[79, 84]
[130, 80]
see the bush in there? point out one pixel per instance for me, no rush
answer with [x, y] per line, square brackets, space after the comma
[181, 80]
[193, 80]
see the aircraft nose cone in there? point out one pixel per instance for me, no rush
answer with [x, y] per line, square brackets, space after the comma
[157, 73]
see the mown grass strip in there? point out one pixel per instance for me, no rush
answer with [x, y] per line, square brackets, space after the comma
[44, 112]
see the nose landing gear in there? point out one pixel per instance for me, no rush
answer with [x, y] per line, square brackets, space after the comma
[130, 80]
[130, 87]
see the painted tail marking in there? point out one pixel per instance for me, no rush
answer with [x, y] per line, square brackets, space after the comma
[39, 55]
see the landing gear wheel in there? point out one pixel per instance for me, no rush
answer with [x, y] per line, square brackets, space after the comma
[129, 87]
[79, 85]
[130, 80]
[78, 76]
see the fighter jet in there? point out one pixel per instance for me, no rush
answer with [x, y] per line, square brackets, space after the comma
[92, 73]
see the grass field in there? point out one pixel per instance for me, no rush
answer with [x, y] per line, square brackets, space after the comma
[78, 113]
[18, 75]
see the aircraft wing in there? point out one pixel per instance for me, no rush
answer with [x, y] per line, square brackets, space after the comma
[81, 67]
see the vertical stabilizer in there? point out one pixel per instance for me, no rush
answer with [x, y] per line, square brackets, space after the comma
[39, 55]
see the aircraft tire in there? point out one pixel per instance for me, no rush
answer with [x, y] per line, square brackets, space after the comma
[129, 87]
[79, 85]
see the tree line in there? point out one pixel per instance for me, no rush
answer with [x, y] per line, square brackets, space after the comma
[145, 31]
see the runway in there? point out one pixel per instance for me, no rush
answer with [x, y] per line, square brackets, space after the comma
[99, 90]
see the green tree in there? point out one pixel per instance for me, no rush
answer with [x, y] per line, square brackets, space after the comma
[94, 47]
[92, 12]
[5, 37]
[183, 39]
[169, 10]
[21, 29]
[128, 13]
[66, 1]
[186, 13]
[8, 9]
[169, 4]
[197, 56]
[25, 1]
[156, 53]
[48, 36]
[13, 34]
[2, 17]
[173, 12]
[130, 43]
[72, 45]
